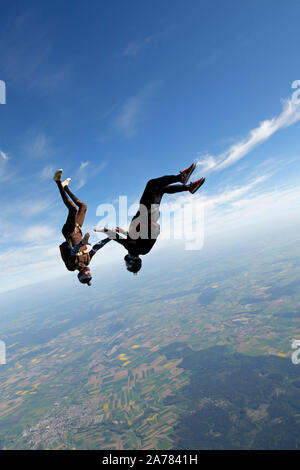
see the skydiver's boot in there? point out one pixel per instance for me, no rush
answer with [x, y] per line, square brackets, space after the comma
[193, 187]
[66, 182]
[57, 175]
[185, 174]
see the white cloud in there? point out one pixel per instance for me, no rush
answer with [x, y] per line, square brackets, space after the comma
[85, 171]
[47, 172]
[133, 111]
[210, 60]
[255, 209]
[25, 48]
[205, 163]
[6, 174]
[126, 121]
[290, 114]
[134, 47]
[28, 208]
[231, 210]
[36, 145]
[81, 175]
[233, 194]
[4, 155]
[38, 233]
[29, 265]
[40, 146]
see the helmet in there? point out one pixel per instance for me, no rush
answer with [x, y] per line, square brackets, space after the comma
[133, 263]
[85, 276]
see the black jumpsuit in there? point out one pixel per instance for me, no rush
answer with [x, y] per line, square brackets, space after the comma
[144, 229]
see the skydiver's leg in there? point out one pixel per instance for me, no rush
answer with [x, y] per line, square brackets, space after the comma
[175, 188]
[81, 214]
[73, 197]
[65, 198]
[151, 199]
[162, 181]
[70, 224]
[82, 206]
[154, 189]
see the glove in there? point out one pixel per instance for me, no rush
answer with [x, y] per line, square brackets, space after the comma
[100, 229]
[85, 240]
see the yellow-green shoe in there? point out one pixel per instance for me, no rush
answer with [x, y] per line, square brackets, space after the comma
[57, 175]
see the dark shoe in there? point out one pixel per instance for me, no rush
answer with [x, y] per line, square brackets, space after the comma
[185, 174]
[193, 187]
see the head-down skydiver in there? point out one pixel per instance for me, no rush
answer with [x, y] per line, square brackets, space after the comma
[74, 250]
[144, 229]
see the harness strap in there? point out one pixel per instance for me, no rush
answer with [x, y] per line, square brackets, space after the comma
[82, 252]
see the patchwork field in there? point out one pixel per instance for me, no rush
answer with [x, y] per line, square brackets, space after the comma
[200, 359]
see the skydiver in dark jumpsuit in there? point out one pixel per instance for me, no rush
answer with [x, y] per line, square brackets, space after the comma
[144, 229]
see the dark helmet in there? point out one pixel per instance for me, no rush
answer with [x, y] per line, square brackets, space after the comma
[133, 263]
[85, 276]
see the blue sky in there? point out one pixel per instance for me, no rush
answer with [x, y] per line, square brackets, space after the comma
[120, 92]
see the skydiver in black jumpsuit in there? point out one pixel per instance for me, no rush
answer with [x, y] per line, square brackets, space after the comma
[144, 229]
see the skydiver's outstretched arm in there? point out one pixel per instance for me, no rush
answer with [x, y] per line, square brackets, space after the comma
[98, 246]
[113, 235]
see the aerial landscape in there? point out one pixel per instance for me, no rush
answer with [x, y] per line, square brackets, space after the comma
[202, 364]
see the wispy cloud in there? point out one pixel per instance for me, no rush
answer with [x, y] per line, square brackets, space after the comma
[290, 114]
[25, 48]
[46, 173]
[210, 60]
[30, 264]
[132, 112]
[36, 144]
[6, 173]
[250, 205]
[86, 171]
[4, 155]
[51, 80]
[234, 194]
[27, 207]
[136, 46]
[81, 175]
[38, 234]
[252, 208]
[40, 146]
